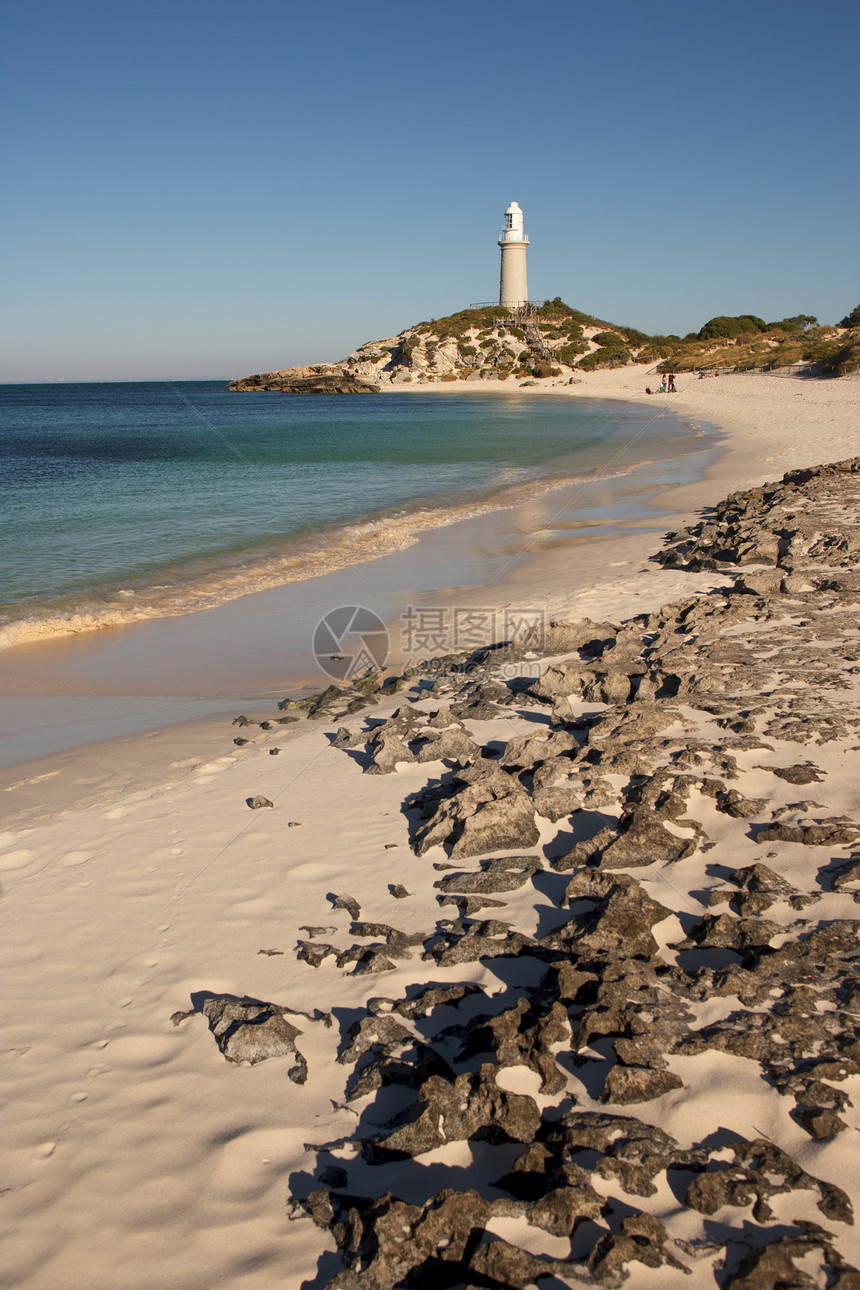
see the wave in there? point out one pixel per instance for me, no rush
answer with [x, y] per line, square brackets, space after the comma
[353, 544]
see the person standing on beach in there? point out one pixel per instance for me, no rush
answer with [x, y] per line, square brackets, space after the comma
[672, 389]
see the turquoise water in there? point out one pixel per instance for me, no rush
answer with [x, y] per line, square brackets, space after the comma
[127, 501]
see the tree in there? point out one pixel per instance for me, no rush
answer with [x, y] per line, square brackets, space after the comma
[800, 322]
[852, 319]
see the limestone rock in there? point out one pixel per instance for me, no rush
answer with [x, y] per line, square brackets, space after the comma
[626, 1084]
[472, 1107]
[247, 1030]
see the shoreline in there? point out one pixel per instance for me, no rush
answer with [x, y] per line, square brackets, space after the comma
[749, 410]
[324, 549]
[256, 645]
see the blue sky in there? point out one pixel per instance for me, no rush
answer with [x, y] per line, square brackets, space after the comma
[212, 189]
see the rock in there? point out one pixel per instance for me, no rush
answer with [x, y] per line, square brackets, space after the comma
[387, 1243]
[723, 931]
[366, 959]
[349, 903]
[761, 1170]
[583, 853]
[642, 840]
[498, 1263]
[628, 1151]
[775, 1265]
[470, 1108]
[469, 942]
[739, 807]
[558, 1193]
[507, 873]
[257, 803]
[806, 773]
[398, 891]
[810, 835]
[284, 384]
[820, 1122]
[558, 802]
[759, 888]
[523, 1036]
[618, 915]
[626, 1084]
[454, 744]
[248, 1030]
[491, 814]
[428, 997]
[398, 944]
[469, 905]
[373, 1032]
[387, 749]
[313, 954]
[642, 1239]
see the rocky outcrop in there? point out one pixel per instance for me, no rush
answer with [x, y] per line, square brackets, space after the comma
[324, 382]
[484, 344]
[556, 1036]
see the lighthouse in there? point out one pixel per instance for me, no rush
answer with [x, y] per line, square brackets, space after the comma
[513, 241]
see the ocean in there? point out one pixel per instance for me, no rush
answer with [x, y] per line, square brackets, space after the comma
[124, 502]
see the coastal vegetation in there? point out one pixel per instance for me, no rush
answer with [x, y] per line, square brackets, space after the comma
[554, 339]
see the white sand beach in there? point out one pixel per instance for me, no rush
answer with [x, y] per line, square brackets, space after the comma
[136, 882]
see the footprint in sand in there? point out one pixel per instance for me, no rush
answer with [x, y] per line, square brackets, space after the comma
[213, 767]
[17, 859]
[118, 812]
[78, 1097]
[72, 858]
[45, 1149]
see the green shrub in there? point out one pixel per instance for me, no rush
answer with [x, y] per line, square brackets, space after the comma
[723, 327]
[852, 319]
[800, 322]
[634, 337]
[841, 360]
[558, 310]
[786, 355]
[659, 347]
[449, 376]
[606, 356]
[610, 339]
[544, 368]
[467, 351]
[568, 354]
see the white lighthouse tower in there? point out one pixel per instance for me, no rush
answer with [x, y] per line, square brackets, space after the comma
[513, 241]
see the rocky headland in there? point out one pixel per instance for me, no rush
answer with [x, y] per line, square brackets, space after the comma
[556, 342]
[643, 838]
